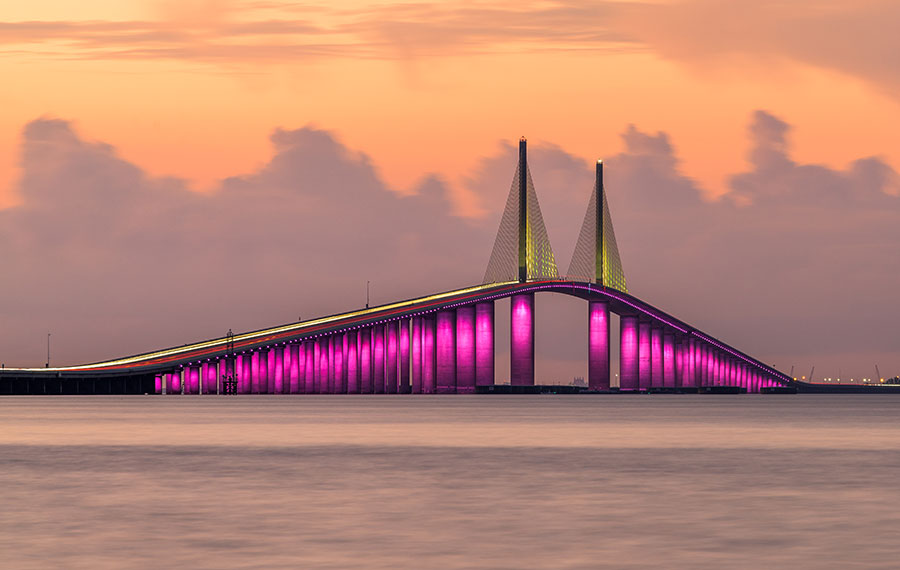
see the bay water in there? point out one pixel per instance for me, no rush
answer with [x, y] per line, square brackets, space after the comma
[497, 482]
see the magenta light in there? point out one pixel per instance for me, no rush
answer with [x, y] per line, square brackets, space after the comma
[628, 358]
[192, 375]
[465, 349]
[416, 356]
[308, 350]
[668, 360]
[366, 384]
[322, 371]
[521, 340]
[298, 366]
[158, 384]
[405, 387]
[598, 345]
[378, 358]
[484, 344]
[645, 356]
[656, 358]
[277, 360]
[445, 352]
[391, 380]
[209, 377]
[429, 377]
[353, 362]
[339, 380]
[173, 383]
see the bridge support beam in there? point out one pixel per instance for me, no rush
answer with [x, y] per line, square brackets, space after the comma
[416, 350]
[656, 357]
[645, 355]
[192, 379]
[209, 374]
[276, 359]
[340, 370]
[245, 372]
[668, 359]
[598, 345]
[378, 358]
[465, 349]
[366, 378]
[629, 354]
[297, 368]
[173, 382]
[352, 362]
[405, 387]
[445, 352]
[484, 344]
[391, 357]
[429, 377]
[521, 338]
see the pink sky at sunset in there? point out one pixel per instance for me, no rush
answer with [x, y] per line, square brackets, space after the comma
[430, 91]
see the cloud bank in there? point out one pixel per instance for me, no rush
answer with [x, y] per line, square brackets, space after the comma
[797, 264]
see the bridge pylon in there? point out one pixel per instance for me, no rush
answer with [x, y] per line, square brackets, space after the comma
[596, 256]
[522, 250]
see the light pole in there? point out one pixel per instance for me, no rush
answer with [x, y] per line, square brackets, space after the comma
[48, 351]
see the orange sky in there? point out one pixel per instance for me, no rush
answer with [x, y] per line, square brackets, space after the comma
[193, 89]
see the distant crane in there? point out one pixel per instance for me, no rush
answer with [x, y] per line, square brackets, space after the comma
[878, 374]
[811, 370]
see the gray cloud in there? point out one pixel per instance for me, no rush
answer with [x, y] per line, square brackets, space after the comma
[99, 250]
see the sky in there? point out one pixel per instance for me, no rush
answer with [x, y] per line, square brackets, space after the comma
[173, 169]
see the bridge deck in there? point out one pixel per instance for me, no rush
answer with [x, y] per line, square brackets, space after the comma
[151, 362]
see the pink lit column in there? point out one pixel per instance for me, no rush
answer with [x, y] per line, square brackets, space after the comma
[392, 357]
[645, 355]
[322, 345]
[445, 351]
[484, 344]
[668, 360]
[366, 384]
[254, 372]
[656, 357]
[192, 379]
[245, 372]
[210, 375]
[416, 349]
[277, 359]
[266, 369]
[297, 367]
[158, 384]
[692, 363]
[287, 360]
[310, 366]
[405, 387]
[352, 362]
[465, 349]
[173, 382]
[521, 340]
[429, 376]
[629, 357]
[378, 359]
[598, 345]
[338, 385]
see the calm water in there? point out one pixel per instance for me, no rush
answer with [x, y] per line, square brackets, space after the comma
[450, 482]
